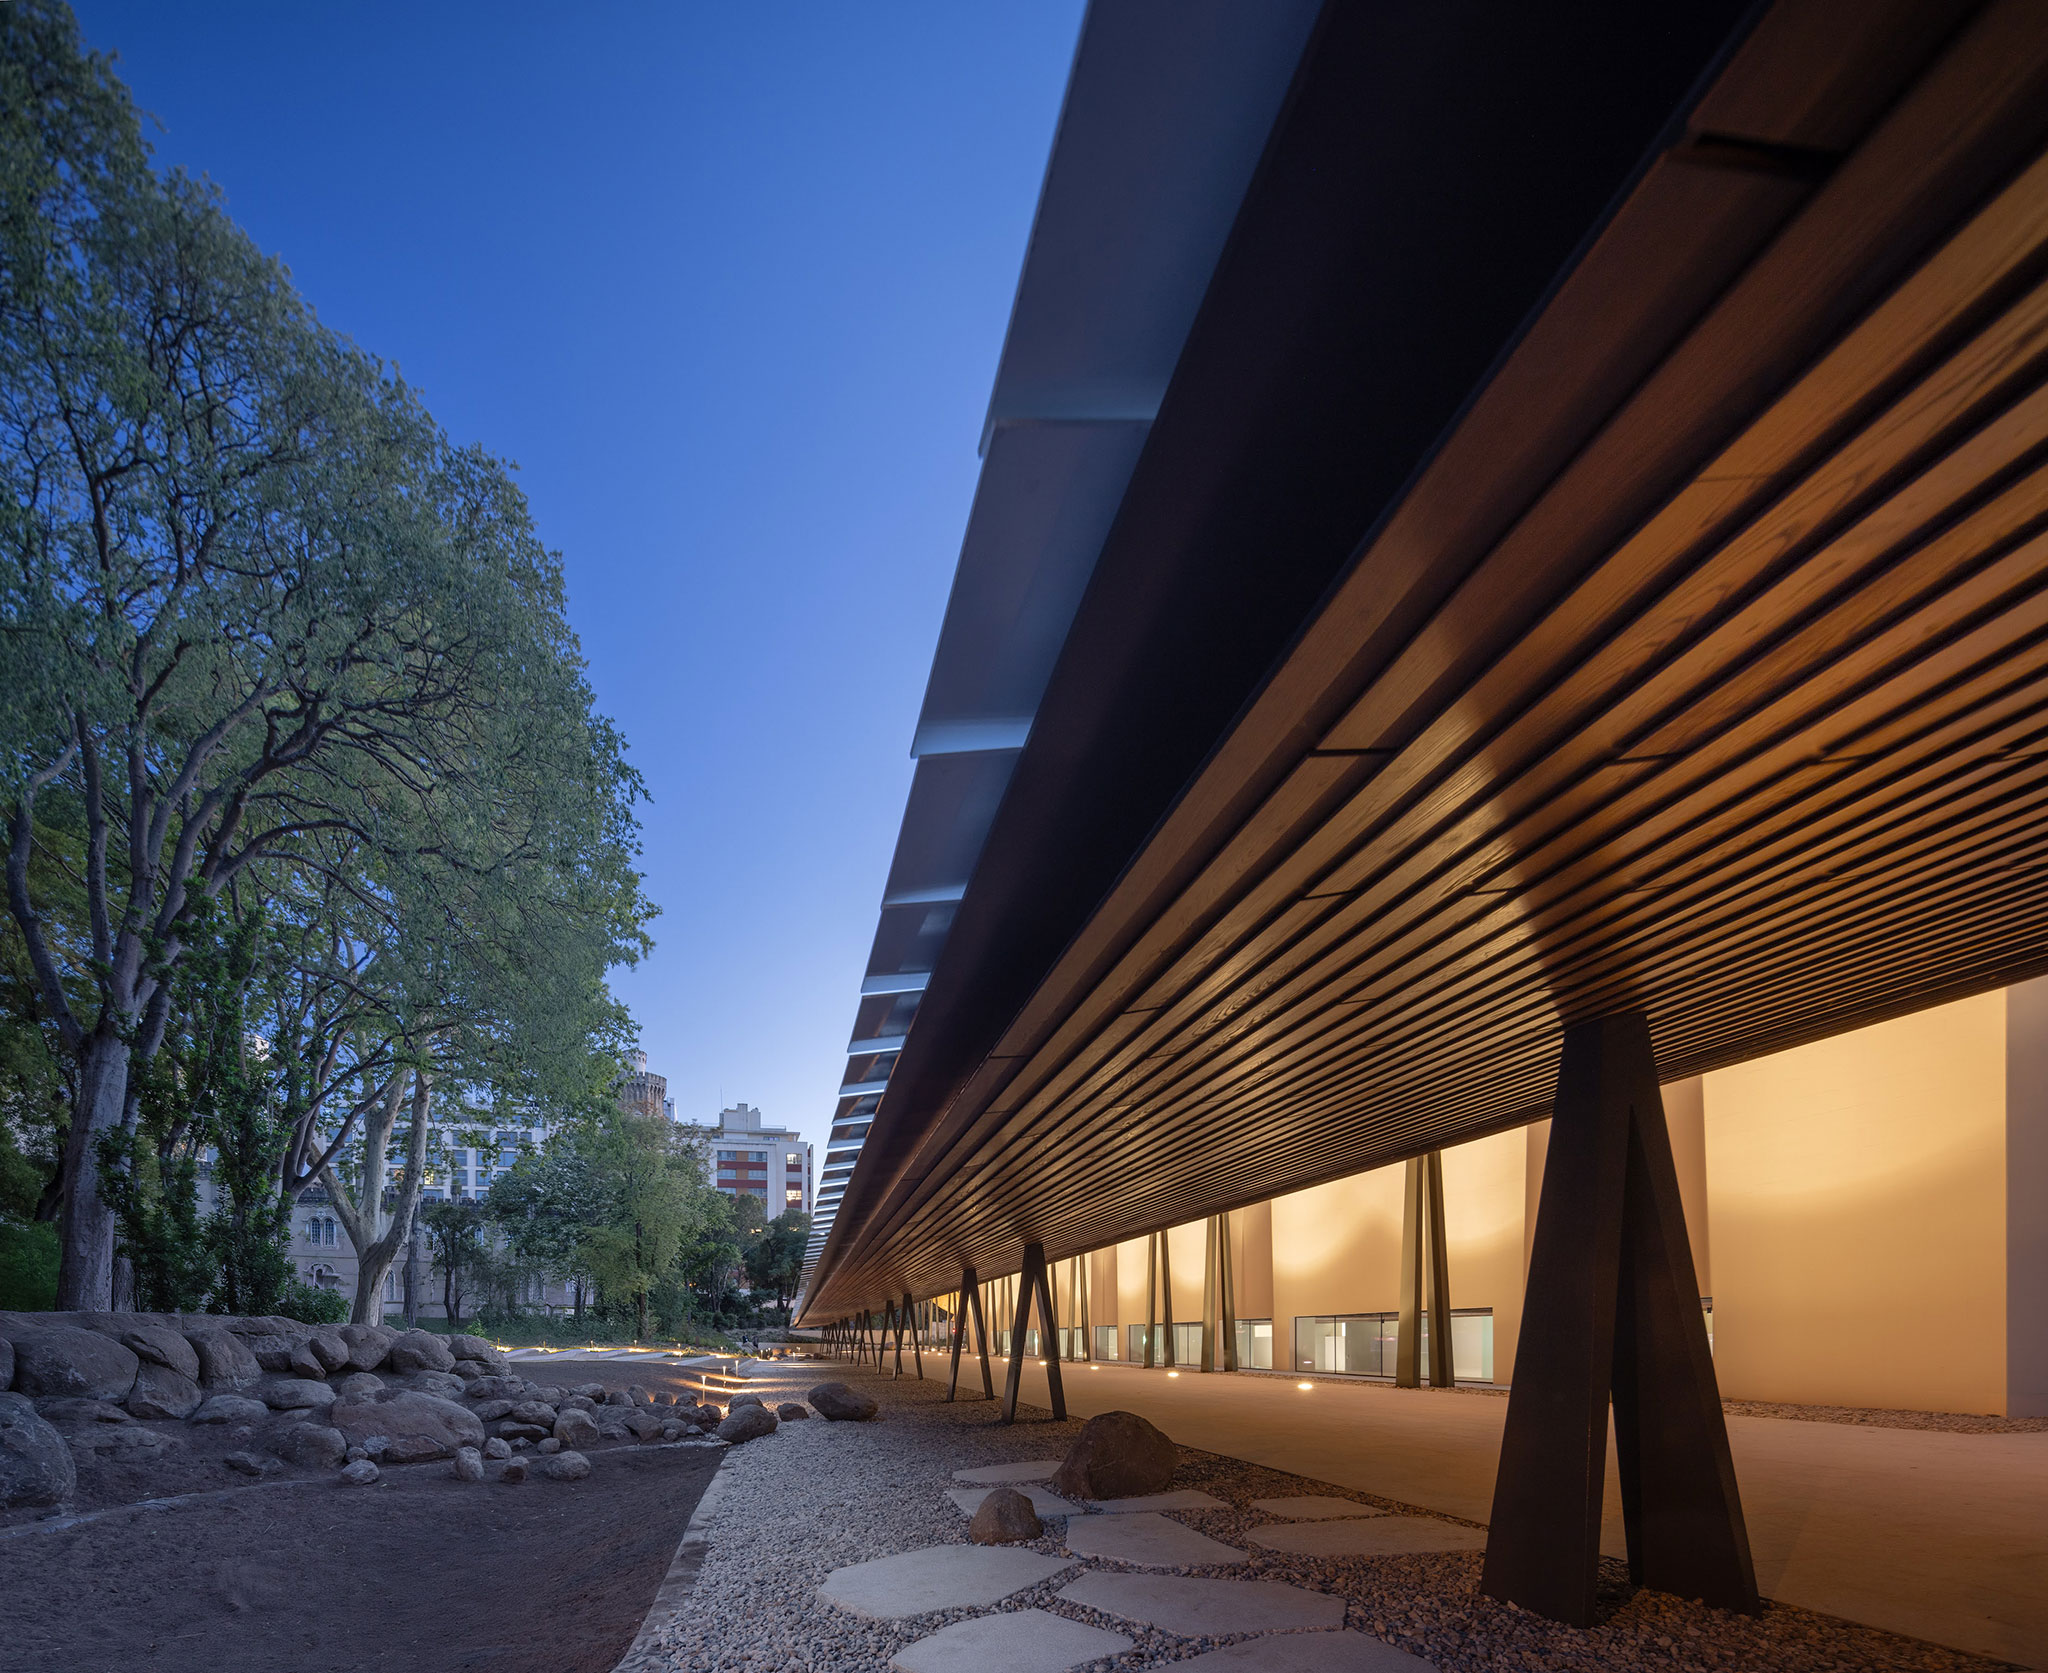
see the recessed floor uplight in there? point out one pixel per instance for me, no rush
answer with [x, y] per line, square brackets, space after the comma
[1304, 1385]
[1173, 1373]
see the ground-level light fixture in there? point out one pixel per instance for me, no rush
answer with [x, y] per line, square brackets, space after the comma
[1304, 1385]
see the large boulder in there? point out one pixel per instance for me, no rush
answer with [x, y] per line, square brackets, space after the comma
[312, 1446]
[133, 1443]
[359, 1385]
[368, 1344]
[790, 1411]
[294, 1394]
[72, 1408]
[231, 1408]
[747, 1423]
[511, 1389]
[465, 1346]
[157, 1344]
[444, 1383]
[62, 1359]
[273, 1353]
[565, 1466]
[6, 1363]
[1004, 1517]
[575, 1427]
[418, 1426]
[840, 1403]
[739, 1400]
[36, 1467]
[489, 1411]
[1117, 1455]
[420, 1350]
[225, 1361]
[533, 1411]
[330, 1347]
[160, 1391]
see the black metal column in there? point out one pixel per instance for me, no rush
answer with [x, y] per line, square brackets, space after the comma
[1612, 1303]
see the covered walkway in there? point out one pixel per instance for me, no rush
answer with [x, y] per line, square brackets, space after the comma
[1935, 1535]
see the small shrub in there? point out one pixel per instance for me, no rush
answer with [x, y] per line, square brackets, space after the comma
[310, 1304]
[28, 1266]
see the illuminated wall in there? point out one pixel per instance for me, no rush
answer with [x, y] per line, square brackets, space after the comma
[1856, 1192]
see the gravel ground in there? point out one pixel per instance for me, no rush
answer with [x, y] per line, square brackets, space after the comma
[816, 1496]
[1953, 1423]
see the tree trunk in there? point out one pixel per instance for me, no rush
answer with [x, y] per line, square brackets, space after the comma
[414, 1278]
[85, 1274]
[640, 1286]
[377, 1237]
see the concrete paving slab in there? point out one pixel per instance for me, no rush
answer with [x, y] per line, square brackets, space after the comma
[1181, 1498]
[1016, 1641]
[995, 1475]
[1198, 1608]
[1147, 1539]
[1374, 1536]
[1307, 1652]
[936, 1577]
[1314, 1507]
[1044, 1502]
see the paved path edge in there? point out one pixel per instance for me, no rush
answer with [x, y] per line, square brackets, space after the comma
[680, 1580]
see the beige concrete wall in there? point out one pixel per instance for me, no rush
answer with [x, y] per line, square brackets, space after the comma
[1336, 1249]
[1187, 1244]
[1483, 1192]
[1251, 1231]
[1130, 1281]
[1856, 1192]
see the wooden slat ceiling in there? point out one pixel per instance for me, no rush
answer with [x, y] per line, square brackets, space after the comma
[1728, 699]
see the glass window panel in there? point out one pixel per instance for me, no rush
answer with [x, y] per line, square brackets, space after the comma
[1105, 1341]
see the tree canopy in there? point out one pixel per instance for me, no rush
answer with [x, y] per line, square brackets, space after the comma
[274, 651]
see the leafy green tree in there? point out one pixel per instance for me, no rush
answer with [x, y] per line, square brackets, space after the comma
[775, 1262]
[458, 1238]
[269, 632]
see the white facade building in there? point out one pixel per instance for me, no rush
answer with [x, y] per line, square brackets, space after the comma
[772, 1163]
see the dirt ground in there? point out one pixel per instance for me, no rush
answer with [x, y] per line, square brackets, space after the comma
[419, 1574]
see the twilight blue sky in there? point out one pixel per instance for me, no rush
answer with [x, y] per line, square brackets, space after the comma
[728, 282]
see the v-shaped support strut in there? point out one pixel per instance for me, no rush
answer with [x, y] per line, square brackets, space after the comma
[1613, 1305]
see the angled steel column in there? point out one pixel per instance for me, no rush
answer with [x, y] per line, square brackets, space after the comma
[1226, 1279]
[1211, 1301]
[1151, 1299]
[1612, 1303]
[1442, 1373]
[916, 1338]
[1166, 1300]
[1408, 1344]
[1082, 1263]
[1034, 1280]
[1048, 1332]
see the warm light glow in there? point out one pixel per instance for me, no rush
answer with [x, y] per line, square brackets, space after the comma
[1095, 1368]
[1304, 1385]
[1173, 1373]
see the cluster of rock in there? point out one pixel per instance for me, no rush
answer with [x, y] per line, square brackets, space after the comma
[1117, 1455]
[343, 1397]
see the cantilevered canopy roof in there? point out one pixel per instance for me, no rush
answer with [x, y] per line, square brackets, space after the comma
[1592, 553]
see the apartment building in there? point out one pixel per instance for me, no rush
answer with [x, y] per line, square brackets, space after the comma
[772, 1163]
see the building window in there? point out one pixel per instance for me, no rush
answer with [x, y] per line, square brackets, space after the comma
[1368, 1344]
[1356, 1344]
[795, 1156]
[793, 1198]
[1137, 1344]
[1105, 1341]
[327, 1233]
[1255, 1344]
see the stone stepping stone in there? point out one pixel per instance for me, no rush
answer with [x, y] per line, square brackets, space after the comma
[1181, 1498]
[1147, 1539]
[1307, 1652]
[937, 1577]
[1044, 1502]
[996, 1475]
[1374, 1536]
[1197, 1608]
[1309, 1507]
[1016, 1641]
